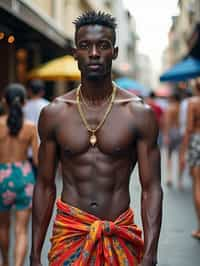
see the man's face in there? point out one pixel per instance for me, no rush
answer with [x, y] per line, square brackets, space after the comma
[95, 51]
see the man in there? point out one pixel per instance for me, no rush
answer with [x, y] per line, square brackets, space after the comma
[98, 132]
[151, 100]
[172, 136]
[192, 144]
[182, 122]
[33, 107]
[36, 101]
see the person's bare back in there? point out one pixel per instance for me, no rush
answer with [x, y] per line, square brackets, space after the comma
[194, 115]
[14, 149]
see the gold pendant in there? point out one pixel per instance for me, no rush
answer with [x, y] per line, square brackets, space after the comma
[93, 139]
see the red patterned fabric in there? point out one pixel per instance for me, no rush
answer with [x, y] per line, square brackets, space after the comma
[82, 239]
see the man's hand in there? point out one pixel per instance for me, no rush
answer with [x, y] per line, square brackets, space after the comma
[35, 261]
[146, 261]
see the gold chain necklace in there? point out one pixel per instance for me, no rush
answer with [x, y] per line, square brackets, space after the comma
[87, 105]
[92, 131]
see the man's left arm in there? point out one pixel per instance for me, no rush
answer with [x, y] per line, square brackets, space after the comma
[150, 177]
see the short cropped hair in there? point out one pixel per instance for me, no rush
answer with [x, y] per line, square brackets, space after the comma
[36, 86]
[96, 18]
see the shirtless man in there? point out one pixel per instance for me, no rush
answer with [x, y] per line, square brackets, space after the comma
[97, 132]
[192, 144]
[172, 136]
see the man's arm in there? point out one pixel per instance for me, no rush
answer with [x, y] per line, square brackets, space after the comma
[45, 189]
[150, 177]
[34, 144]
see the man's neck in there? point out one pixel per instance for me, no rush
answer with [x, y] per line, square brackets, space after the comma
[96, 91]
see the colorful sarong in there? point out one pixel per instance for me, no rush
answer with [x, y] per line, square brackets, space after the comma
[194, 150]
[82, 239]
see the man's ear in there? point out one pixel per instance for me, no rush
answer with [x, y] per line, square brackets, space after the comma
[74, 53]
[115, 53]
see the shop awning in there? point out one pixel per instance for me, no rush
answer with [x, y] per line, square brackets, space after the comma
[62, 68]
[186, 69]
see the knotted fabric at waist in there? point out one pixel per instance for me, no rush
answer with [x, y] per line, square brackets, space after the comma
[82, 239]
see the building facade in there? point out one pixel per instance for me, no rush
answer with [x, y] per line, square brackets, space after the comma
[29, 35]
[181, 31]
[35, 31]
[126, 39]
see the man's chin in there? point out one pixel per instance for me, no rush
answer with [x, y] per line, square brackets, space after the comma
[94, 76]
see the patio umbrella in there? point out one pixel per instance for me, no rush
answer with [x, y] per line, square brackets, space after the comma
[131, 85]
[62, 68]
[186, 69]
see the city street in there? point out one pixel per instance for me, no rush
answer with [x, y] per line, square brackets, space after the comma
[177, 247]
[91, 84]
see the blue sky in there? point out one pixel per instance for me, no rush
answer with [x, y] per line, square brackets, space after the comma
[153, 20]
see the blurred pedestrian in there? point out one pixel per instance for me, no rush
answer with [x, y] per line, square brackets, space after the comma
[33, 107]
[16, 176]
[192, 146]
[182, 122]
[171, 131]
[151, 101]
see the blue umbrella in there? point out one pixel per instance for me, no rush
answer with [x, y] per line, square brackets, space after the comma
[186, 69]
[130, 84]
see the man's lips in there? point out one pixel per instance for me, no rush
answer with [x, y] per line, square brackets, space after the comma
[94, 66]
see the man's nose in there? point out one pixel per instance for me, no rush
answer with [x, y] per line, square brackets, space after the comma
[94, 51]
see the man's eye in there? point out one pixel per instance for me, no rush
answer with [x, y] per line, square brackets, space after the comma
[104, 45]
[83, 46]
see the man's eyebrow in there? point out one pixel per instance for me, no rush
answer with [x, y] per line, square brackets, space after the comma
[105, 40]
[100, 40]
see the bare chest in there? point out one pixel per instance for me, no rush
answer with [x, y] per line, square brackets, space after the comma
[116, 134]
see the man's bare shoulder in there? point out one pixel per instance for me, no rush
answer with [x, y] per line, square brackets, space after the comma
[68, 98]
[134, 102]
[142, 114]
[124, 96]
[59, 104]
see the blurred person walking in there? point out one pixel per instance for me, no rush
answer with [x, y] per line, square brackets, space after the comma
[16, 176]
[151, 101]
[192, 146]
[182, 122]
[36, 101]
[172, 136]
[33, 108]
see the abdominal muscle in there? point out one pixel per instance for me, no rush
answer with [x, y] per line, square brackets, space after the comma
[102, 199]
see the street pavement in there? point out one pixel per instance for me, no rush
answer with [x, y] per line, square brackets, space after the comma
[176, 246]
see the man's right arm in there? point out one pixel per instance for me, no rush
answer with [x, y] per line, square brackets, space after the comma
[45, 188]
